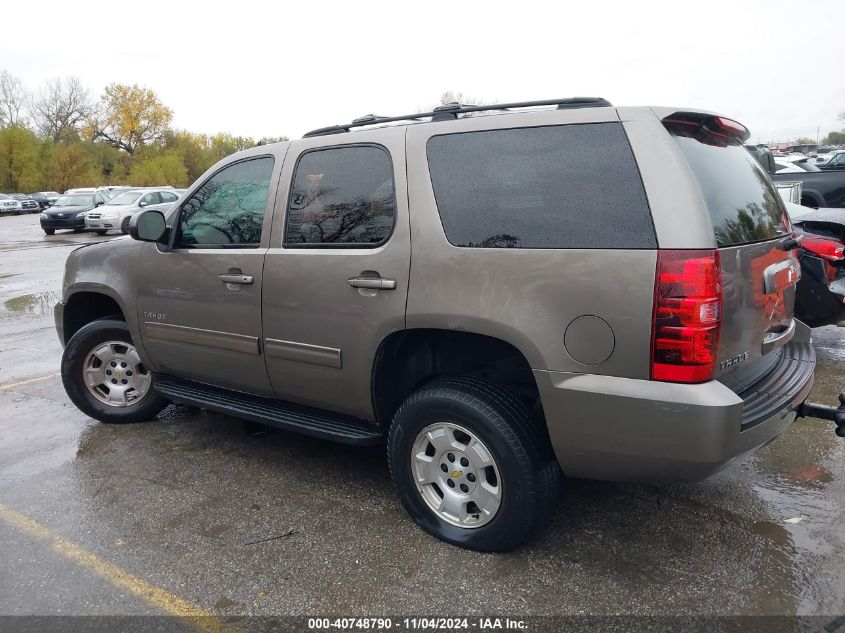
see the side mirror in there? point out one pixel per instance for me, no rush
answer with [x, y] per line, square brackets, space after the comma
[142, 204]
[99, 203]
[149, 226]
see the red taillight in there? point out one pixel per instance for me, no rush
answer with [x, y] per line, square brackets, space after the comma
[830, 250]
[731, 127]
[687, 316]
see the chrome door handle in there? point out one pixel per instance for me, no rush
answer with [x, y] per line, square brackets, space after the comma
[373, 283]
[236, 278]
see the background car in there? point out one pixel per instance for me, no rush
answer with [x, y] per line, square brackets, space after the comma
[45, 198]
[820, 293]
[794, 165]
[836, 161]
[829, 155]
[117, 212]
[69, 212]
[9, 205]
[28, 205]
[105, 192]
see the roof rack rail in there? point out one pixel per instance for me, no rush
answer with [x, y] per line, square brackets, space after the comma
[450, 111]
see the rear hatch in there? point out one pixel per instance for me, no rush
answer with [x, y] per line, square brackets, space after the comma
[751, 227]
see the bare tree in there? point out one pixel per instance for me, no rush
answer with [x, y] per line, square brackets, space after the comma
[60, 108]
[450, 96]
[12, 100]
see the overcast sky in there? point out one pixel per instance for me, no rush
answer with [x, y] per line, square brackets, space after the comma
[272, 68]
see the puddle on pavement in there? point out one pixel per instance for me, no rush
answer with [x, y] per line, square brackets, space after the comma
[32, 304]
[802, 489]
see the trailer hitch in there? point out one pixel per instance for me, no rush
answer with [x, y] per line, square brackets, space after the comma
[825, 412]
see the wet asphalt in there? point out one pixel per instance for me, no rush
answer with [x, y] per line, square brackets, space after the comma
[237, 521]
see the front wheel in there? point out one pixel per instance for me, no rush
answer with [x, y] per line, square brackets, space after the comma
[124, 226]
[471, 464]
[104, 376]
[100, 232]
[49, 231]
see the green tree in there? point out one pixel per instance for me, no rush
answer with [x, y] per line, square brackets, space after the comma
[161, 169]
[111, 164]
[835, 138]
[67, 165]
[267, 140]
[222, 144]
[195, 150]
[19, 150]
[130, 117]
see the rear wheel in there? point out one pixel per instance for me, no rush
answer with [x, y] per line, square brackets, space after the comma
[471, 464]
[104, 376]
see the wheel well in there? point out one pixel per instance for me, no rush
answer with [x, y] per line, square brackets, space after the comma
[409, 359]
[84, 307]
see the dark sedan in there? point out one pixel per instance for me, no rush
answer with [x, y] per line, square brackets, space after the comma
[69, 211]
[45, 199]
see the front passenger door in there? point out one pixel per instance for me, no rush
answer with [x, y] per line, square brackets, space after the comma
[199, 305]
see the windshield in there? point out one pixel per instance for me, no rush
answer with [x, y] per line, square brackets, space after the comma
[740, 198]
[75, 200]
[127, 197]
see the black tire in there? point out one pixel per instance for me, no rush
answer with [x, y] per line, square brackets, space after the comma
[101, 232]
[124, 225]
[78, 230]
[49, 231]
[529, 473]
[73, 358]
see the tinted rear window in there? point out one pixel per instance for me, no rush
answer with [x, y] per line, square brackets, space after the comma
[567, 186]
[740, 198]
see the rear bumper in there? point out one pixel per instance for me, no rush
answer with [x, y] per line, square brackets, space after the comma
[604, 427]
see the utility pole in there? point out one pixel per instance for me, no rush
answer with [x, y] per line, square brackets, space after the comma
[817, 136]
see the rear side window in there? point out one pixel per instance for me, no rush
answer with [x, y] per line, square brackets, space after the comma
[743, 204]
[341, 197]
[567, 186]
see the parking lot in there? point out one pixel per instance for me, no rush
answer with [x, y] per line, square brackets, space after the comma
[200, 511]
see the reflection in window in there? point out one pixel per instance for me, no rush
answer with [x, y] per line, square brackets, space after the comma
[229, 207]
[341, 196]
[567, 186]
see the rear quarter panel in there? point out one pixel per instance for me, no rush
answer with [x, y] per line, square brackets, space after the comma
[526, 297]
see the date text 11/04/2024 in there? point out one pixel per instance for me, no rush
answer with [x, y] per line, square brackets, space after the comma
[418, 624]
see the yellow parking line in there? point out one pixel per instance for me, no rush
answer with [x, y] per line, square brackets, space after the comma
[10, 385]
[160, 598]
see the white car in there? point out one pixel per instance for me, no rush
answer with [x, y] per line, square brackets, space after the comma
[117, 212]
[8, 204]
[825, 158]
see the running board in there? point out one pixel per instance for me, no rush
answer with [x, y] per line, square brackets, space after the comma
[276, 413]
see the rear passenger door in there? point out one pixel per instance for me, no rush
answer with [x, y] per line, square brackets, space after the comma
[336, 273]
